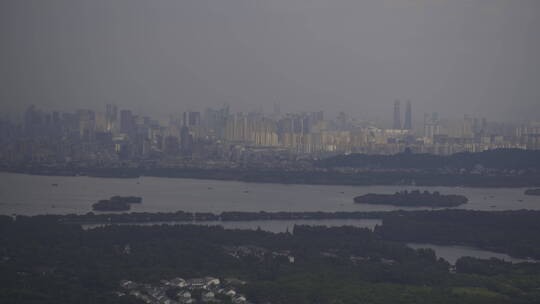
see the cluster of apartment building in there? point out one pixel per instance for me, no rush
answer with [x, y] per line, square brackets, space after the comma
[117, 134]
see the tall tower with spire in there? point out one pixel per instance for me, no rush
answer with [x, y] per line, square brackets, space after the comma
[408, 116]
[397, 115]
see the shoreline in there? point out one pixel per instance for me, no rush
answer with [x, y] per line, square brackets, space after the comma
[398, 226]
[282, 177]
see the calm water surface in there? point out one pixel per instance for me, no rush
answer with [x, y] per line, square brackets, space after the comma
[31, 195]
[270, 225]
[453, 253]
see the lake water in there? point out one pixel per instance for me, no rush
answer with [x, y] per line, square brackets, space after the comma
[453, 253]
[274, 226]
[32, 194]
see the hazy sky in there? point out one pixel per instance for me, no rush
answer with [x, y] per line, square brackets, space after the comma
[457, 56]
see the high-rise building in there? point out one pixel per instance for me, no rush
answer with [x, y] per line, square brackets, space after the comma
[101, 122]
[126, 121]
[277, 111]
[408, 116]
[186, 141]
[87, 123]
[33, 120]
[111, 117]
[397, 115]
[317, 116]
[215, 121]
[431, 126]
[191, 119]
[467, 130]
[171, 145]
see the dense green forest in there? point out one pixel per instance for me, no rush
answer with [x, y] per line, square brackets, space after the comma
[493, 168]
[43, 260]
[413, 198]
[512, 232]
[532, 192]
[330, 175]
[494, 159]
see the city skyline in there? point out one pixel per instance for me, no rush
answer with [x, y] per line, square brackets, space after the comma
[452, 57]
[112, 113]
[116, 135]
[269, 151]
[386, 120]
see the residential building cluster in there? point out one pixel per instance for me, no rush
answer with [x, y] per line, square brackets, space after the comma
[259, 253]
[180, 291]
[219, 137]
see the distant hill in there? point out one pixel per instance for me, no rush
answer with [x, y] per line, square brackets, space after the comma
[495, 159]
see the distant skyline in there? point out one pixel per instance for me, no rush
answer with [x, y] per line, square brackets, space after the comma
[158, 57]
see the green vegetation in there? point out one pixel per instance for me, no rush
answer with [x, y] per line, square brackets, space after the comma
[512, 232]
[532, 192]
[483, 292]
[108, 205]
[412, 199]
[494, 159]
[43, 260]
[494, 168]
[126, 199]
[116, 203]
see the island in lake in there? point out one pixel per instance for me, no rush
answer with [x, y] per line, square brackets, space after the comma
[532, 192]
[117, 203]
[413, 199]
[127, 199]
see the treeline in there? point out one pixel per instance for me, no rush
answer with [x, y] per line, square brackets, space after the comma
[43, 261]
[512, 232]
[532, 192]
[46, 262]
[495, 159]
[414, 198]
[182, 216]
[331, 176]
[494, 267]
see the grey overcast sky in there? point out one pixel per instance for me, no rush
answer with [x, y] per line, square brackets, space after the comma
[478, 57]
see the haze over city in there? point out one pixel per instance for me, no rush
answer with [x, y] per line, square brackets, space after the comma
[157, 57]
[269, 151]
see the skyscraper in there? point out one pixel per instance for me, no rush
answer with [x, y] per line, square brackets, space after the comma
[127, 122]
[431, 125]
[191, 119]
[87, 123]
[408, 116]
[277, 112]
[111, 117]
[32, 121]
[186, 141]
[397, 115]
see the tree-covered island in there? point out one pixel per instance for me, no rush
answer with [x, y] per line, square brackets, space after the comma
[413, 199]
[533, 192]
[116, 203]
